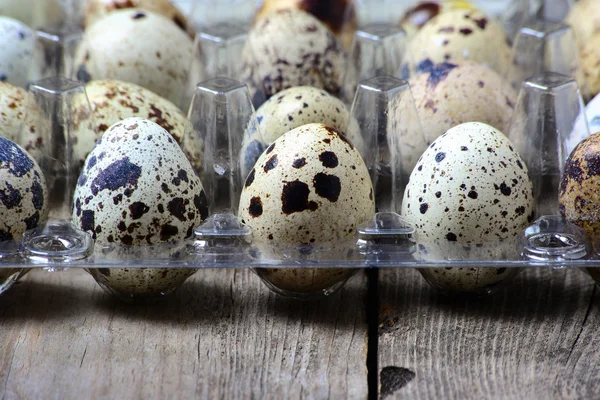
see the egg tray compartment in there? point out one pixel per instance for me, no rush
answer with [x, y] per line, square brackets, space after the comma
[387, 241]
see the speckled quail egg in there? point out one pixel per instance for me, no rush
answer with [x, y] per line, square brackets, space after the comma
[16, 45]
[338, 15]
[12, 106]
[422, 12]
[301, 105]
[138, 188]
[292, 48]
[309, 186]
[96, 9]
[590, 59]
[23, 200]
[23, 191]
[579, 199]
[448, 94]
[139, 47]
[469, 186]
[584, 18]
[113, 101]
[462, 35]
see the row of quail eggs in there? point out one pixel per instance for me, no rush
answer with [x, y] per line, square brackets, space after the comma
[310, 185]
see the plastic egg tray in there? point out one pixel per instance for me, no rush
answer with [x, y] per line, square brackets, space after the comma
[549, 120]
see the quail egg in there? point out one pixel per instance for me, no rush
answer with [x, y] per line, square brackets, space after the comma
[113, 101]
[590, 58]
[462, 35]
[469, 186]
[579, 200]
[23, 200]
[137, 188]
[301, 105]
[419, 14]
[23, 191]
[309, 187]
[448, 94]
[16, 46]
[97, 9]
[338, 15]
[291, 48]
[584, 18]
[136, 46]
[12, 105]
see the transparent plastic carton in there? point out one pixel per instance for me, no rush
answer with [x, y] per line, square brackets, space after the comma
[547, 123]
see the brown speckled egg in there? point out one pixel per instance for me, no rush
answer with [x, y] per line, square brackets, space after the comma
[462, 35]
[338, 15]
[579, 197]
[590, 59]
[138, 188]
[469, 186]
[113, 101]
[96, 9]
[424, 11]
[12, 111]
[23, 191]
[297, 106]
[584, 18]
[292, 48]
[136, 46]
[448, 94]
[310, 186]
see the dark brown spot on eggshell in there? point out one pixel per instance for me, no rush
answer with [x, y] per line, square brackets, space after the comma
[328, 159]
[294, 198]
[327, 186]
[256, 207]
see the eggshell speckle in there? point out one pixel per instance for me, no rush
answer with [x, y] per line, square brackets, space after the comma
[459, 35]
[23, 192]
[138, 188]
[16, 45]
[292, 48]
[310, 186]
[469, 186]
[136, 46]
[449, 94]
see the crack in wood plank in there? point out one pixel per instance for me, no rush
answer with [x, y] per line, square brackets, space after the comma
[585, 318]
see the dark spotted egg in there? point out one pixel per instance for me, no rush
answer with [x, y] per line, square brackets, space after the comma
[309, 186]
[16, 46]
[292, 48]
[462, 35]
[136, 46]
[469, 186]
[23, 191]
[138, 188]
[579, 197]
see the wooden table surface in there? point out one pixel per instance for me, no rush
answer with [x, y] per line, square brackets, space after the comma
[224, 335]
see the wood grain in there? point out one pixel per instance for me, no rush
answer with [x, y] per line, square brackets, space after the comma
[536, 339]
[223, 336]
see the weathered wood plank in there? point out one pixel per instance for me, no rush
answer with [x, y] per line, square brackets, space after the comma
[224, 335]
[536, 339]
